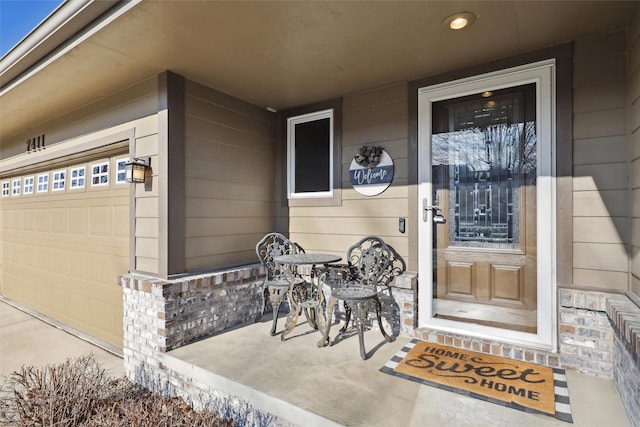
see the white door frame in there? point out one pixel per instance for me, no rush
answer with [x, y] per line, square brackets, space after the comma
[543, 75]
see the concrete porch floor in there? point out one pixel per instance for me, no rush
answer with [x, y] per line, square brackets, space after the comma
[310, 386]
[306, 385]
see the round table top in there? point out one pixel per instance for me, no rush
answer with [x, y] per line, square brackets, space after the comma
[312, 259]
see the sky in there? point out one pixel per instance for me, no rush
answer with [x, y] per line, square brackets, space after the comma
[19, 17]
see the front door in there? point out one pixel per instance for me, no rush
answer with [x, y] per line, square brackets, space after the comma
[486, 146]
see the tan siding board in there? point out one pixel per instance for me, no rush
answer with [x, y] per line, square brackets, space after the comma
[601, 203]
[599, 123]
[147, 207]
[147, 227]
[223, 208]
[591, 151]
[229, 173]
[203, 227]
[215, 132]
[207, 112]
[200, 92]
[599, 47]
[204, 148]
[220, 244]
[600, 256]
[600, 97]
[635, 203]
[383, 112]
[226, 192]
[601, 279]
[346, 226]
[147, 247]
[612, 176]
[375, 133]
[599, 71]
[147, 264]
[601, 230]
[386, 94]
[355, 208]
[223, 260]
[635, 260]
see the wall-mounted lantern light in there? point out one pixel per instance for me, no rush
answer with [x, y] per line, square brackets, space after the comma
[136, 169]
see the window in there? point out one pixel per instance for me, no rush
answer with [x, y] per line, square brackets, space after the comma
[120, 170]
[28, 185]
[5, 189]
[310, 155]
[43, 183]
[77, 177]
[15, 185]
[100, 174]
[58, 180]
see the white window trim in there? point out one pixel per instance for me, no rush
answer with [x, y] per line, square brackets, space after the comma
[291, 123]
[543, 74]
[62, 181]
[99, 174]
[16, 189]
[117, 171]
[6, 188]
[43, 186]
[28, 183]
[71, 178]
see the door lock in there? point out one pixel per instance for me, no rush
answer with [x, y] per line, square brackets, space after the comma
[437, 213]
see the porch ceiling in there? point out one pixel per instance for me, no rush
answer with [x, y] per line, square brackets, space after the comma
[284, 54]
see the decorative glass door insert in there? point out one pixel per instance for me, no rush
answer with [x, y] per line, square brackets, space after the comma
[483, 173]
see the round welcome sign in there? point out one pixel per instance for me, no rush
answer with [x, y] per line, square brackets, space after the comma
[371, 181]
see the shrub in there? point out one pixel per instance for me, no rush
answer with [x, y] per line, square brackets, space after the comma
[79, 393]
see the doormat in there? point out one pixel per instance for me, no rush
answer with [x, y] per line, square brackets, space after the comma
[515, 384]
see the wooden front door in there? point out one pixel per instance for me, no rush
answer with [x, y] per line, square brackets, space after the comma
[483, 172]
[486, 234]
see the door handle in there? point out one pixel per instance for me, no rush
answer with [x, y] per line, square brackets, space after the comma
[437, 213]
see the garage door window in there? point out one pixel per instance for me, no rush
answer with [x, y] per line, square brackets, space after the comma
[77, 178]
[120, 170]
[5, 189]
[43, 183]
[58, 180]
[100, 174]
[15, 185]
[28, 185]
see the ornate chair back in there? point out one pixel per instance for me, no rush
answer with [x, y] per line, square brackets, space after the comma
[271, 246]
[368, 260]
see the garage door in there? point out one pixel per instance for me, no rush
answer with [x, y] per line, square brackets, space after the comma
[65, 241]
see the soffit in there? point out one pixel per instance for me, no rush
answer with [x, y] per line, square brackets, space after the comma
[286, 54]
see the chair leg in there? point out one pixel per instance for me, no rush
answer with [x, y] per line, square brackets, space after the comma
[276, 311]
[347, 318]
[292, 320]
[325, 340]
[263, 305]
[378, 305]
[363, 353]
[276, 296]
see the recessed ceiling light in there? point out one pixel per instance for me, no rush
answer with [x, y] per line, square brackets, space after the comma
[487, 94]
[460, 20]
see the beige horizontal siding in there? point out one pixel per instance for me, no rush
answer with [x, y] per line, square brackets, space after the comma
[229, 182]
[601, 225]
[633, 101]
[606, 203]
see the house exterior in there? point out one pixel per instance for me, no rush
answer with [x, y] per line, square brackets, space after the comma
[508, 181]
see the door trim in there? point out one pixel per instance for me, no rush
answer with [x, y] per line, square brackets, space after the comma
[541, 73]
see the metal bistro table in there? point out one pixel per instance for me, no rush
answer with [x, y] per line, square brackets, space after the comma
[308, 298]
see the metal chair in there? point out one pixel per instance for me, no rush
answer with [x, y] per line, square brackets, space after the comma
[276, 284]
[371, 266]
